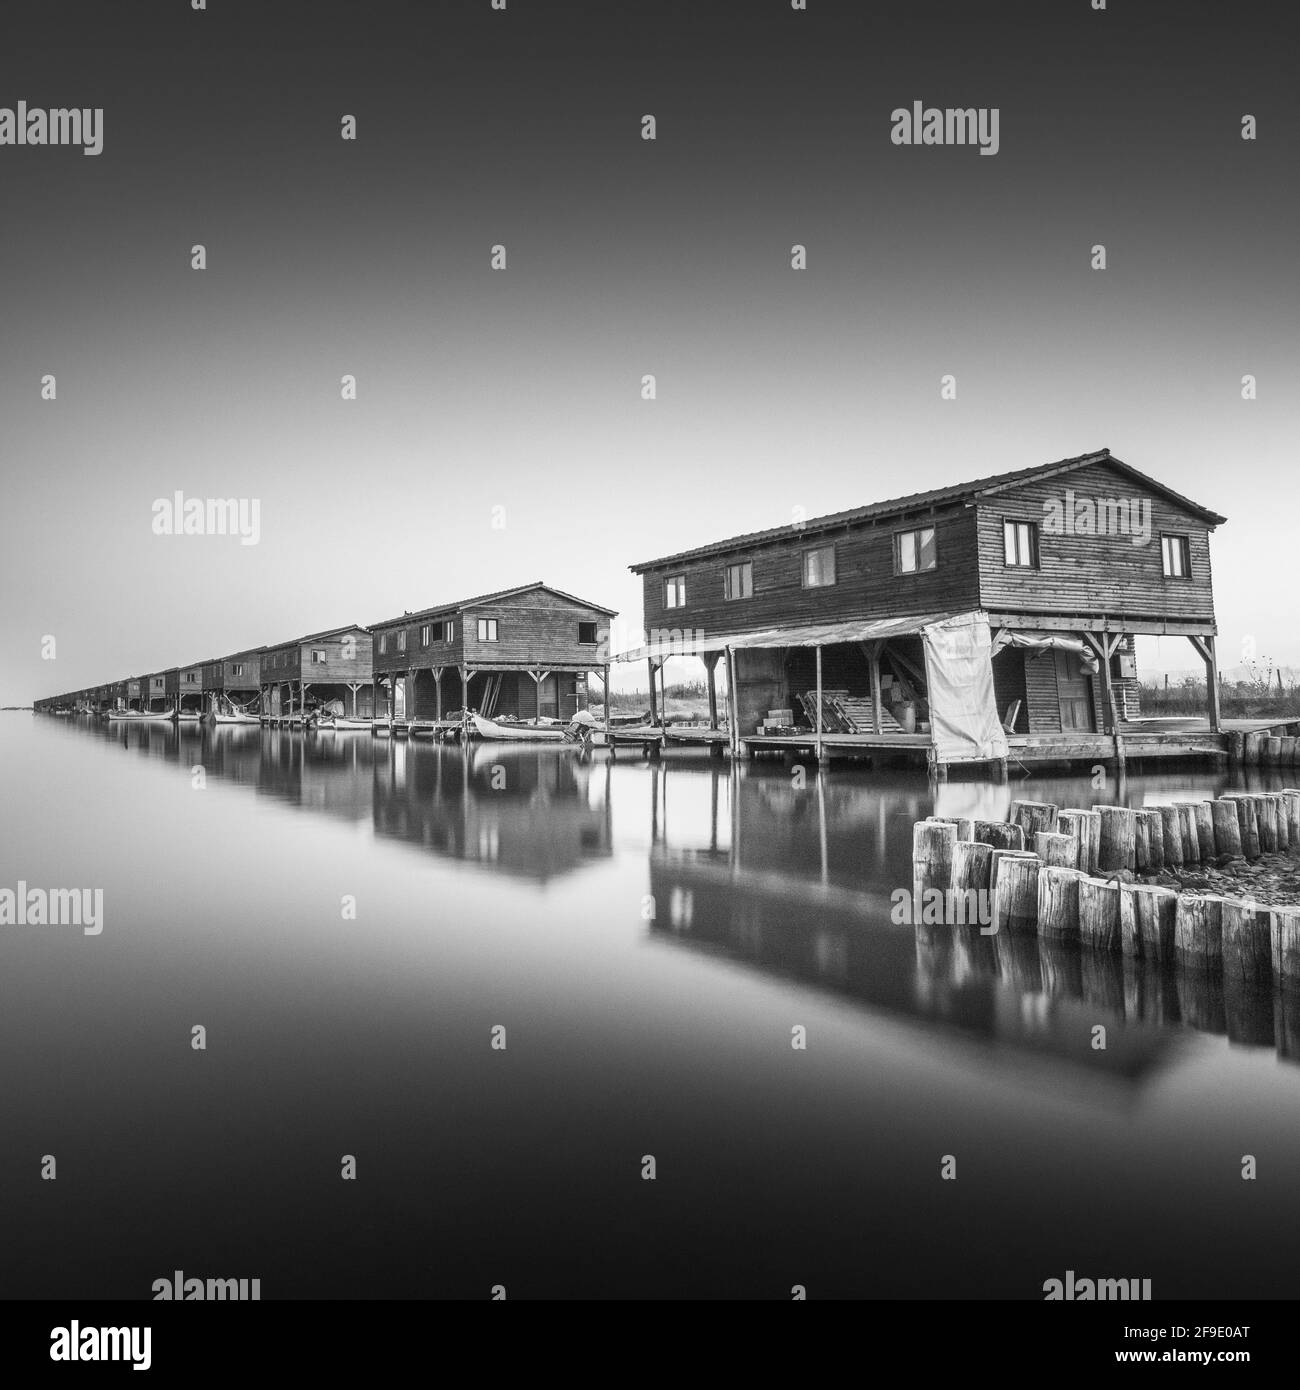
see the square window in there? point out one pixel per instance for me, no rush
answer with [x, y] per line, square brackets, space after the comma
[317, 657]
[740, 580]
[1020, 543]
[819, 567]
[915, 551]
[587, 632]
[1176, 557]
[487, 629]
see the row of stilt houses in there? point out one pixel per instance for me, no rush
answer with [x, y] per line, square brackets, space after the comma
[988, 622]
[517, 656]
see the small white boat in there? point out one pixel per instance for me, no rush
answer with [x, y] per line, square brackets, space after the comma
[239, 717]
[189, 716]
[516, 733]
[135, 716]
[341, 722]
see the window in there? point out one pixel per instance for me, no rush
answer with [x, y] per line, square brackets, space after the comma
[449, 631]
[237, 668]
[317, 657]
[487, 629]
[915, 551]
[401, 640]
[190, 678]
[424, 634]
[586, 632]
[740, 580]
[675, 591]
[1174, 552]
[819, 567]
[1020, 543]
[383, 643]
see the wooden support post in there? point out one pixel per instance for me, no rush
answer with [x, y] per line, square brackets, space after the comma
[1284, 943]
[934, 845]
[998, 834]
[1118, 846]
[874, 658]
[1191, 839]
[1227, 827]
[1155, 837]
[1204, 819]
[1058, 902]
[654, 699]
[733, 702]
[1266, 819]
[711, 670]
[1033, 816]
[1060, 851]
[608, 742]
[1099, 925]
[1198, 930]
[1172, 825]
[1015, 894]
[971, 863]
[818, 651]
[1247, 946]
[1156, 908]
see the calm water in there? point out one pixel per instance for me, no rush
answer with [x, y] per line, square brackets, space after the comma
[512, 887]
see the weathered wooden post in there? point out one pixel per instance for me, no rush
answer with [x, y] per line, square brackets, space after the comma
[1191, 840]
[1253, 749]
[1058, 902]
[1015, 894]
[1205, 830]
[1291, 800]
[1157, 909]
[1227, 828]
[1057, 849]
[1287, 753]
[1171, 821]
[1272, 751]
[1249, 824]
[1266, 817]
[1031, 817]
[1198, 929]
[1099, 914]
[1285, 947]
[1280, 822]
[1141, 840]
[998, 855]
[933, 849]
[965, 826]
[998, 834]
[1155, 837]
[1247, 945]
[971, 863]
[1118, 847]
[1130, 927]
[1087, 826]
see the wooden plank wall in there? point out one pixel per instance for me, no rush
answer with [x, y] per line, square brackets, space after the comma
[1093, 574]
[865, 586]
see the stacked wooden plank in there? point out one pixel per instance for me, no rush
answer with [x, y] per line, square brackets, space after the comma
[843, 713]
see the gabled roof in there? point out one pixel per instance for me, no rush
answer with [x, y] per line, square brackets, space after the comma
[464, 603]
[955, 494]
[310, 637]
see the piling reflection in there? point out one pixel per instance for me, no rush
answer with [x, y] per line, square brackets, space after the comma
[802, 878]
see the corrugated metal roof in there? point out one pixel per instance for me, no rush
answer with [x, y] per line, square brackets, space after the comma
[957, 492]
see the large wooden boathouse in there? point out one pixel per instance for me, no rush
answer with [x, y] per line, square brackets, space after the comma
[524, 652]
[990, 619]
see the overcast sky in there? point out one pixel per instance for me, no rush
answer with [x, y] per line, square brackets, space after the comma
[521, 389]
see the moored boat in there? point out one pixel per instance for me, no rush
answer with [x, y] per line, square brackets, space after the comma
[135, 716]
[516, 733]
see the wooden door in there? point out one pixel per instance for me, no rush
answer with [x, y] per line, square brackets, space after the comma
[1074, 691]
[548, 698]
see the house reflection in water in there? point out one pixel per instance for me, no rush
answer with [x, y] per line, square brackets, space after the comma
[534, 812]
[798, 881]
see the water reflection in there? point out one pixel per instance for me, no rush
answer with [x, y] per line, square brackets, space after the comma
[784, 870]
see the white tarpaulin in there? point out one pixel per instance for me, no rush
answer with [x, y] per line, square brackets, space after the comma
[1004, 637]
[964, 720]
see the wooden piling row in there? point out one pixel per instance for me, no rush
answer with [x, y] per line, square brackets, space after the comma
[1046, 874]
